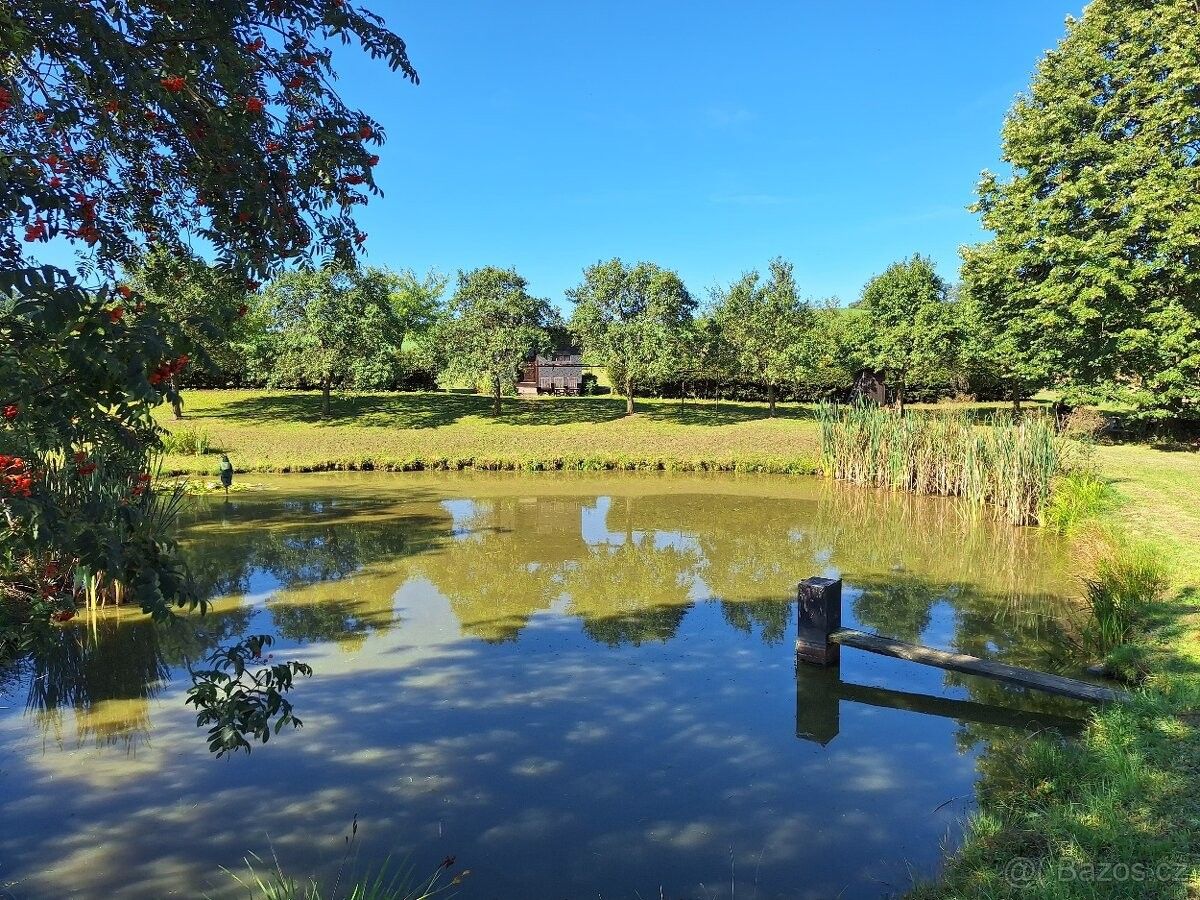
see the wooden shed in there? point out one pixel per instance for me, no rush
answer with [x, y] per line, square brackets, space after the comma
[869, 387]
[553, 373]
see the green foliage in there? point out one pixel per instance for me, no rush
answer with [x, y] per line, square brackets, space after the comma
[912, 330]
[330, 324]
[1128, 580]
[187, 442]
[766, 328]
[208, 304]
[239, 695]
[1078, 498]
[1009, 467]
[1091, 275]
[491, 327]
[636, 321]
[125, 126]
[263, 882]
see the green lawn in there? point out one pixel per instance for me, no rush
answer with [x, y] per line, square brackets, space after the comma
[283, 431]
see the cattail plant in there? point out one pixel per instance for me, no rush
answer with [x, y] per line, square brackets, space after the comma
[1006, 466]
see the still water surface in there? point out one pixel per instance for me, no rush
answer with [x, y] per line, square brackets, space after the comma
[577, 686]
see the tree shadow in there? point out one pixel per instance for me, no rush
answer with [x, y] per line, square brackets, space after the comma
[435, 410]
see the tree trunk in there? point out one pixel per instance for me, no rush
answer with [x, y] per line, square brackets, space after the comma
[900, 398]
[325, 385]
[1016, 396]
[629, 396]
[495, 396]
[771, 398]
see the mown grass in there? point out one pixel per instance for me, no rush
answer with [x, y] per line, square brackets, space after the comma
[284, 432]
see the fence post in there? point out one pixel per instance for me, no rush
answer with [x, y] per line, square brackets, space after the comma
[819, 606]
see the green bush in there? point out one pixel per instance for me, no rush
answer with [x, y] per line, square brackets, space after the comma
[187, 442]
[1077, 498]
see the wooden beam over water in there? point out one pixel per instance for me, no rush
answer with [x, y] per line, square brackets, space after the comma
[973, 665]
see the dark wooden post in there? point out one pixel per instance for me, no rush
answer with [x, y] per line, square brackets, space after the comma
[819, 602]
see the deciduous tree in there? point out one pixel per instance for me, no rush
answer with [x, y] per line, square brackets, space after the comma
[328, 321]
[634, 320]
[912, 329]
[492, 326]
[1092, 272]
[767, 327]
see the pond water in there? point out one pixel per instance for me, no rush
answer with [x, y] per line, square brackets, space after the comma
[578, 686]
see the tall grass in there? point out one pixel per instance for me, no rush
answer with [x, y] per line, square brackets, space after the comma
[388, 883]
[1127, 580]
[1006, 466]
[1078, 499]
[187, 441]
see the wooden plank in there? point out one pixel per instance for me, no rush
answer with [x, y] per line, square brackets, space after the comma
[972, 665]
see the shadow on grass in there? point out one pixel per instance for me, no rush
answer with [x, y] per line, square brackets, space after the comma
[435, 410]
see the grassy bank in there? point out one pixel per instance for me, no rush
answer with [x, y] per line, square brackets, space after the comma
[1116, 813]
[283, 432]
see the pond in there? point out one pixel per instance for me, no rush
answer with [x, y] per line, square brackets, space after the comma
[577, 686]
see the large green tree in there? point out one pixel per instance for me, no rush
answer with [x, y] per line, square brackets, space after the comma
[635, 320]
[912, 330]
[1093, 273]
[196, 295]
[330, 323]
[492, 326]
[767, 328]
[125, 125]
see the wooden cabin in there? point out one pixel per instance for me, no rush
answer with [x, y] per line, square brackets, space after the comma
[553, 373]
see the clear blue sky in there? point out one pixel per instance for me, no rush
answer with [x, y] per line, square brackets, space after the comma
[704, 136]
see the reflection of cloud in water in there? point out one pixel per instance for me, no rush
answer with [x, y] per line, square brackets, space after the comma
[551, 701]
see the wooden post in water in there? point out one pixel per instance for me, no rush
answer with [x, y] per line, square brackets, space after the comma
[819, 602]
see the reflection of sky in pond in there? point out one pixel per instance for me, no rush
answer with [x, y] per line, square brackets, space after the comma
[593, 695]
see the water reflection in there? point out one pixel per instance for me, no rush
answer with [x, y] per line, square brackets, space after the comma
[578, 686]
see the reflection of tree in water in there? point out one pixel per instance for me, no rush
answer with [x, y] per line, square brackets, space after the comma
[106, 671]
[491, 585]
[339, 565]
[899, 607]
[633, 592]
[771, 616]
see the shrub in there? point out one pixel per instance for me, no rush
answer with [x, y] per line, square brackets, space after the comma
[187, 442]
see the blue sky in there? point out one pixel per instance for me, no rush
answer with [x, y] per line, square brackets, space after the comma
[704, 136]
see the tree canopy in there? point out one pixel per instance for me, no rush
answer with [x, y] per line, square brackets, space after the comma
[911, 329]
[491, 327]
[330, 323]
[124, 128]
[767, 328]
[634, 320]
[1092, 272]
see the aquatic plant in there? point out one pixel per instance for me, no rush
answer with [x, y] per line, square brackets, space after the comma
[1128, 579]
[1007, 466]
[389, 882]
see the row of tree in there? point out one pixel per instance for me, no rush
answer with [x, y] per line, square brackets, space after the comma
[370, 328]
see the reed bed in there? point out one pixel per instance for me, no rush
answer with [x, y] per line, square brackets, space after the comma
[1005, 466]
